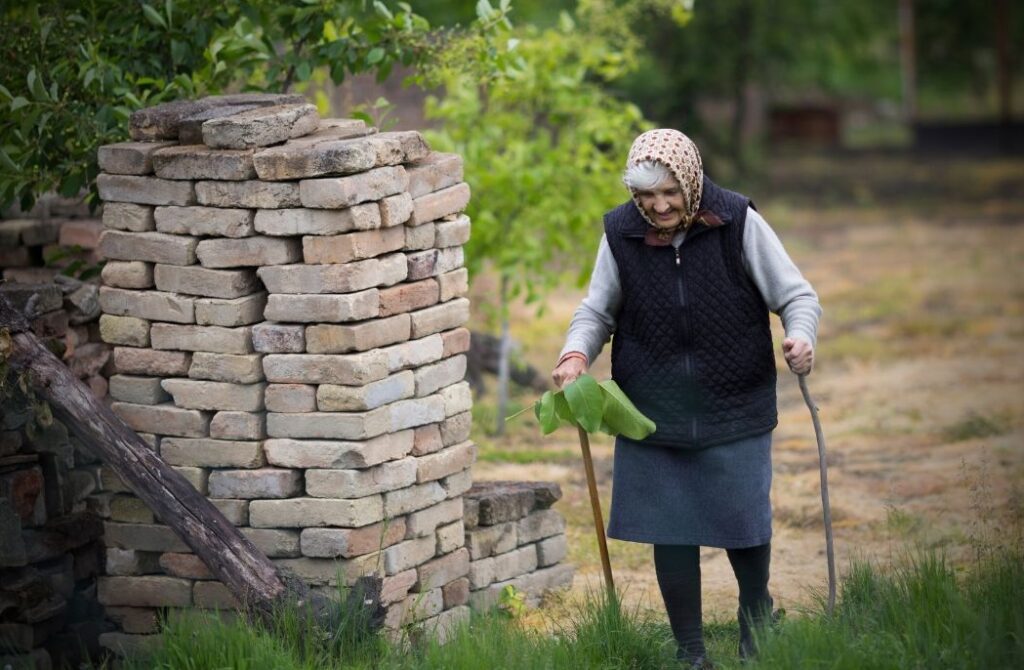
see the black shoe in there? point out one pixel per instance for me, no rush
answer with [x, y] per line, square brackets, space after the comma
[748, 645]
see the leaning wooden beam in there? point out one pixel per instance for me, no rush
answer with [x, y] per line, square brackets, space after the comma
[229, 555]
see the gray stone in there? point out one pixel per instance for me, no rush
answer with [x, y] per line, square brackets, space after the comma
[315, 512]
[152, 247]
[337, 339]
[199, 162]
[128, 274]
[326, 307]
[434, 172]
[539, 525]
[132, 360]
[290, 398]
[213, 339]
[336, 454]
[352, 246]
[129, 157]
[334, 398]
[205, 282]
[253, 194]
[145, 190]
[233, 368]
[317, 221]
[164, 121]
[256, 484]
[359, 483]
[338, 192]
[348, 369]
[335, 278]
[201, 394]
[276, 338]
[260, 127]
[163, 419]
[249, 251]
[207, 453]
[128, 216]
[238, 426]
[231, 312]
[151, 305]
[338, 157]
[216, 221]
[395, 210]
[138, 390]
[552, 550]
[327, 425]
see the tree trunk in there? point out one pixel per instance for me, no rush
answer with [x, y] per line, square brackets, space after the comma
[908, 60]
[229, 555]
[744, 32]
[503, 362]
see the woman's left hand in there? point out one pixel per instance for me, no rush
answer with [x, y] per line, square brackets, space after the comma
[799, 355]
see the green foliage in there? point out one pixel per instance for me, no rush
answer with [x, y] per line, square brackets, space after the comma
[512, 602]
[594, 407]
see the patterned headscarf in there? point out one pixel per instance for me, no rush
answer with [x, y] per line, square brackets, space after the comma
[679, 154]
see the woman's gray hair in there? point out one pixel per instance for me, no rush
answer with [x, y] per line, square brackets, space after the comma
[645, 175]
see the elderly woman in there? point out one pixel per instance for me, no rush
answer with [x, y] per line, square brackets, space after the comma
[685, 276]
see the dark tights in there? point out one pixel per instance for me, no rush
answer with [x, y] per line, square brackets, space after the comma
[678, 570]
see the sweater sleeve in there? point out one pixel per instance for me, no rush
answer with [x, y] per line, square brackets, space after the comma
[593, 322]
[783, 287]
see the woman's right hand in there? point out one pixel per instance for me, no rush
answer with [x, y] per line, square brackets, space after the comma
[568, 370]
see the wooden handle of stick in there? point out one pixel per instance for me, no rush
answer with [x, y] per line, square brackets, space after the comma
[826, 508]
[595, 504]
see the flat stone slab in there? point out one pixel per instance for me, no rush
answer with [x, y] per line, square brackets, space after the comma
[338, 157]
[202, 221]
[129, 157]
[145, 190]
[150, 247]
[335, 278]
[317, 221]
[164, 122]
[260, 127]
[198, 161]
[250, 193]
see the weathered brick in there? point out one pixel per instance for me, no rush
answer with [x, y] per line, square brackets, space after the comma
[351, 246]
[412, 498]
[454, 284]
[434, 172]
[184, 566]
[339, 339]
[163, 419]
[427, 440]
[332, 129]
[134, 361]
[205, 282]
[395, 210]
[348, 369]
[190, 128]
[127, 330]
[84, 233]
[408, 297]
[337, 454]
[152, 305]
[195, 161]
[152, 247]
[451, 537]
[272, 338]
[232, 368]
[414, 412]
[129, 157]
[197, 394]
[445, 462]
[344, 278]
[315, 512]
[214, 339]
[433, 262]
[452, 233]
[409, 554]
[318, 307]
[325, 158]
[145, 190]
[420, 237]
[458, 398]
[214, 596]
[539, 525]
[431, 378]
[425, 521]
[351, 542]
[248, 251]
[552, 550]
[253, 194]
[440, 204]
[138, 390]
[260, 127]
[130, 509]
[413, 146]
[434, 319]
[440, 571]
[328, 425]
[515, 563]
[144, 591]
[274, 543]
[238, 426]
[28, 232]
[255, 484]
[216, 221]
[197, 477]
[317, 221]
[340, 192]
[335, 398]
[231, 312]
[128, 274]
[134, 620]
[413, 353]
[456, 593]
[168, 120]
[128, 216]
[491, 540]
[142, 537]
[290, 398]
[125, 645]
[396, 587]
[360, 483]
[326, 572]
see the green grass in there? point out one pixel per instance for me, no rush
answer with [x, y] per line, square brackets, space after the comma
[923, 613]
[489, 454]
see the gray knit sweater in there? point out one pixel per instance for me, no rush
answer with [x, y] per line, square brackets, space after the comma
[784, 289]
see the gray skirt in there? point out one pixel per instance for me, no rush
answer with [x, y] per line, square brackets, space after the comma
[714, 497]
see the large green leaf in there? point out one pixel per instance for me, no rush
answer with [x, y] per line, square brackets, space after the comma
[586, 402]
[621, 415]
[563, 410]
[546, 413]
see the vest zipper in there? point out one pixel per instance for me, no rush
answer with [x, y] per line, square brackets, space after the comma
[686, 357]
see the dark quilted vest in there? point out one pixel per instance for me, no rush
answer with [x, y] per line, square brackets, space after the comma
[692, 346]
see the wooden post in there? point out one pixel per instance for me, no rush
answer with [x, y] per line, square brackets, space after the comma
[595, 505]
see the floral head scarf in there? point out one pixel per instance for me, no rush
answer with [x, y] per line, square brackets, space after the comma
[679, 154]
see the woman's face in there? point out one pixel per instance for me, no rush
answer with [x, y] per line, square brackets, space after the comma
[664, 203]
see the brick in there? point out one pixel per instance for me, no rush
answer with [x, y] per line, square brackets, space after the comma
[395, 210]
[235, 511]
[491, 540]
[434, 319]
[231, 312]
[15, 257]
[216, 221]
[253, 194]
[325, 158]
[340, 192]
[213, 339]
[339, 339]
[443, 570]
[515, 563]
[413, 353]
[408, 297]
[190, 128]
[449, 461]
[144, 591]
[197, 394]
[329, 307]
[351, 542]
[163, 419]
[145, 190]
[433, 262]
[126, 330]
[326, 572]
[552, 550]
[238, 426]
[184, 566]
[359, 483]
[328, 425]
[152, 305]
[426, 521]
[408, 554]
[196, 161]
[539, 525]
[205, 282]
[138, 390]
[413, 146]
[453, 233]
[260, 127]
[151, 247]
[414, 412]
[131, 360]
[129, 157]
[142, 537]
[534, 585]
[134, 620]
[434, 172]
[128, 216]
[273, 338]
[457, 484]
[348, 369]
[335, 398]
[332, 129]
[125, 562]
[259, 483]
[317, 221]
[315, 512]
[290, 398]
[127, 274]
[396, 587]
[456, 593]
[28, 232]
[337, 454]
[84, 233]
[440, 204]
[167, 120]
[344, 278]
[351, 246]
[412, 498]
[427, 440]
[454, 284]
[215, 596]
[432, 378]
[232, 368]
[197, 477]
[273, 542]
[451, 537]
[130, 509]
[420, 237]
[124, 645]
[248, 251]
[209, 453]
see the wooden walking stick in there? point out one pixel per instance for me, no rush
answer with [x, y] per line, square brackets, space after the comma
[595, 505]
[826, 509]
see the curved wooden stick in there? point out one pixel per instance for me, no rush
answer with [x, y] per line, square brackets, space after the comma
[827, 510]
[595, 504]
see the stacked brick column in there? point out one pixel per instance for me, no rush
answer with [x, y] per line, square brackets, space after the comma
[286, 304]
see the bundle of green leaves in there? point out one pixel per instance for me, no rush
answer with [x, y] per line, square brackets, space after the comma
[595, 407]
